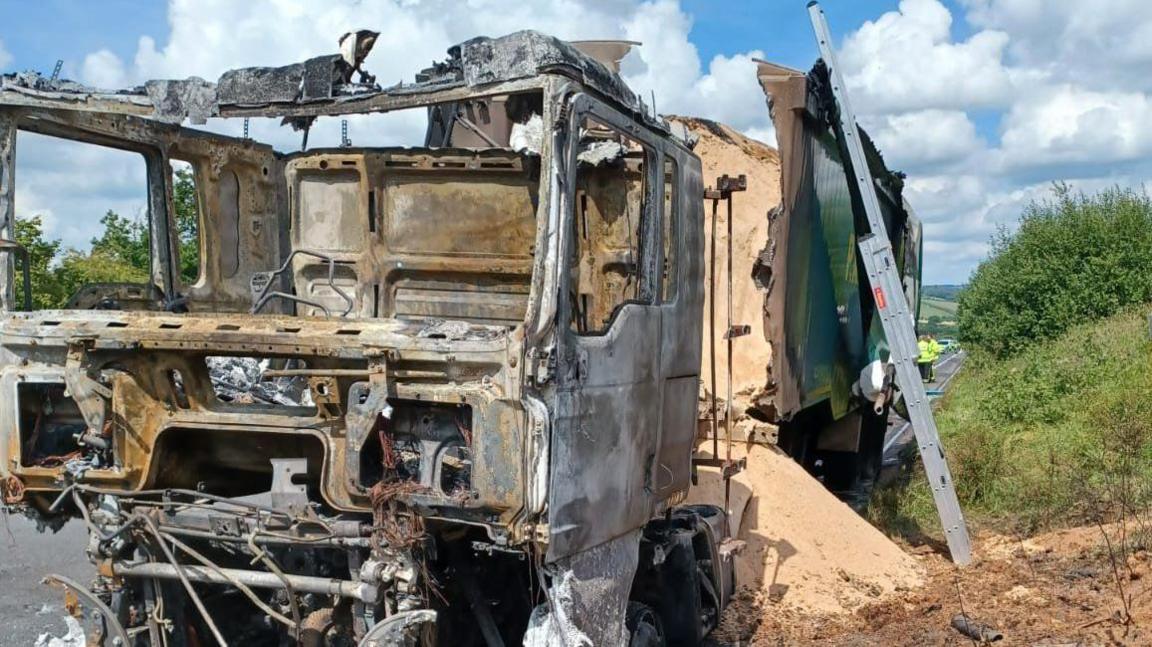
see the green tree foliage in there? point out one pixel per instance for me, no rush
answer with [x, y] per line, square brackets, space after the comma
[121, 254]
[41, 252]
[1074, 258]
[123, 241]
[187, 223]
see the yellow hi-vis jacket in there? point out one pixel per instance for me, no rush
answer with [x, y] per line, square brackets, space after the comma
[934, 349]
[925, 348]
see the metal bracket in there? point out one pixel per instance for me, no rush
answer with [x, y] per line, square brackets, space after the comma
[326, 395]
[286, 493]
[16, 248]
[367, 405]
[90, 395]
[737, 330]
[728, 467]
[726, 185]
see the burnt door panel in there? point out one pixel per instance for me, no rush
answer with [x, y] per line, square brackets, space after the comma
[609, 382]
[607, 422]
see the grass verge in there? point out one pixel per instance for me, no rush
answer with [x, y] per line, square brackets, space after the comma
[1059, 434]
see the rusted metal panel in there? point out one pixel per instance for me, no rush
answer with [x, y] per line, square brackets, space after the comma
[7, 205]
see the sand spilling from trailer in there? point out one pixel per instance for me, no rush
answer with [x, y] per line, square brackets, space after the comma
[725, 151]
[805, 548]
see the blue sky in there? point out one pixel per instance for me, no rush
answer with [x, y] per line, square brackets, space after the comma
[984, 103]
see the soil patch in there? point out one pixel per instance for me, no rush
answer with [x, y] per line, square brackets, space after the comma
[1055, 589]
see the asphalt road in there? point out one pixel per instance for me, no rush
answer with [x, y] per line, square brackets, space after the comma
[900, 430]
[27, 607]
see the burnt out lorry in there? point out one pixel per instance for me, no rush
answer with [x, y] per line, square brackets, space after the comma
[433, 395]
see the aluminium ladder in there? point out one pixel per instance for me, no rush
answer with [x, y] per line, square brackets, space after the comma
[892, 306]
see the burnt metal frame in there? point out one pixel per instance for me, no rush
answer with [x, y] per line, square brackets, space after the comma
[572, 358]
[650, 249]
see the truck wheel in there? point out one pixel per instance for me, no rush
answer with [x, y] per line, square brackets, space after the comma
[644, 628]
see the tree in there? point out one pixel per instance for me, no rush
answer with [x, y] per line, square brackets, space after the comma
[120, 254]
[123, 240]
[46, 292]
[1074, 258]
[187, 223]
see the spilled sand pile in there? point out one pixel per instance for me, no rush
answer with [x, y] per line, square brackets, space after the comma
[805, 549]
[723, 150]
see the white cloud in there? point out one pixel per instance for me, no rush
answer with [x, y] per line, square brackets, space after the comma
[1061, 91]
[1070, 124]
[5, 57]
[72, 185]
[960, 215]
[926, 137]
[668, 65]
[103, 69]
[906, 60]
[1098, 44]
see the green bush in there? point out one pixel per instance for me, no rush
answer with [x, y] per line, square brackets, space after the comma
[1074, 258]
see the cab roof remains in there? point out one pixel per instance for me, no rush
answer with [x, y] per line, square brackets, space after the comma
[324, 85]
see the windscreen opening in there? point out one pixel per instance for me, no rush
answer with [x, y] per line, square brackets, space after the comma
[82, 215]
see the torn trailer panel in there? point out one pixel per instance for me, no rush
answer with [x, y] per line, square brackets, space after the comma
[827, 371]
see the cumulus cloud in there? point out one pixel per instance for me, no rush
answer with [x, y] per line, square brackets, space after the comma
[1071, 124]
[59, 179]
[926, 137]
[1102, 44]
[103, 69]
[1033, 93]
[907, 60]
[668, 65]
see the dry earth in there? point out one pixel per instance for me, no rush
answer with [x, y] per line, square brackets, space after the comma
[1055, 589]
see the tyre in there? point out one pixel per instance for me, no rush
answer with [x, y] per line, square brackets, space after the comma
[644, 627]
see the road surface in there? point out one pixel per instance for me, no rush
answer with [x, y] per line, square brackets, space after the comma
[27, 607]
[899, 430]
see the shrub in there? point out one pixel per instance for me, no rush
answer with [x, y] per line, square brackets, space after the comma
[1058, 435]
[1074, 258]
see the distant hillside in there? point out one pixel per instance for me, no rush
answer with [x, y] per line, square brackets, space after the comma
[945, 292]
[936, 307]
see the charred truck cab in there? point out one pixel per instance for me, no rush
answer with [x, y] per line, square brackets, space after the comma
[441, 395]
